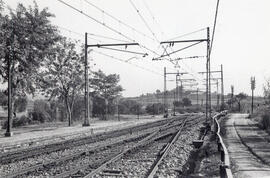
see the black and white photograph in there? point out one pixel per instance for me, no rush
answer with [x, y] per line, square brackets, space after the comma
[134, 89]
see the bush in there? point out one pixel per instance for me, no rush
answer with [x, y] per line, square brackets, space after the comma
[18, 122]
[265, 121]
[20, 104]
[155, 108]
[43, 111]
[40, 116]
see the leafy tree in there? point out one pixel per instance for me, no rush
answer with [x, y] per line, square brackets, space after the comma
[26, 37]
[155, 108]
[62, 77]
[177, 103]
[186, 102]
[127, 106]
[239, 98]
[105, 88]
[266, 91]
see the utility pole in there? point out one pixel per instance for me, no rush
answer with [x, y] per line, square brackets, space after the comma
[174, 102]
[177, 87]
[197, 98]
[252, 80]
[222, 84]
[9, 123]
[232, 90]
[10, 109]
[86, 96]
[181, 90]
[222, 88]
[106, 46]
[209, 71]
[117, 105]
[165, 90]
[195, 42]
[138, 112]
[164, 95]
[217, 94]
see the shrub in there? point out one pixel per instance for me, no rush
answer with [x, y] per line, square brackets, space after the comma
[40, 116]
[18, 122]
[265, 121]
[20, 104]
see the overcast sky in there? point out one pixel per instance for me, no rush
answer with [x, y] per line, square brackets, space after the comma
[240, 44]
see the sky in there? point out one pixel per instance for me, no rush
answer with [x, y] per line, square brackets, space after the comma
[240, 42]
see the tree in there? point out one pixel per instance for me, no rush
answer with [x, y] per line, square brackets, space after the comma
[26, 37]
[266, 91]
[239, 98]
[177, 103]
[127, 106]
[62, 77]
[105, 87]
[155, 108]
[186, 102]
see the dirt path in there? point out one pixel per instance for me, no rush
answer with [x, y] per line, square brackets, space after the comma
[248, 147]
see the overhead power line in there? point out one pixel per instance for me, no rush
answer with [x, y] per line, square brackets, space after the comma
[153, 17]
[144, 21]
[214, 27]
[127, 61]
[118, 20]
[126, 51]
[187, 34]
[105, 25]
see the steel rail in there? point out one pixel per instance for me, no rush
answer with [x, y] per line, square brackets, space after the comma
[52, 147]
[164, 152]
[70, 157]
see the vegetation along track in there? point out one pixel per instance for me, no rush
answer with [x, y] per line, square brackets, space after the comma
[40, 167]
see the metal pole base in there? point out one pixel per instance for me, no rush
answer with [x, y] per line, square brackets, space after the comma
[8, 134]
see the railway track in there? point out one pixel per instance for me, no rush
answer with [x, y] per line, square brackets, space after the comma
[143, 162]
[21, 154]
[40, 167]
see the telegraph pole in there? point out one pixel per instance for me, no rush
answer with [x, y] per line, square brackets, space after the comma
[165, 89]
[197, 98]
[222, 87]
[209, 80]
[209, 71]
[217, 95]
[195, 42]
[164, 95]
[174, 102]
[86, 121]
[232, 90]
[252, 80]
[177, 87]
[86, 96]
[9, 122]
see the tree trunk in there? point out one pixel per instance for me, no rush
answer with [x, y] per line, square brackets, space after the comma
[68, 110]
[239, 106]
